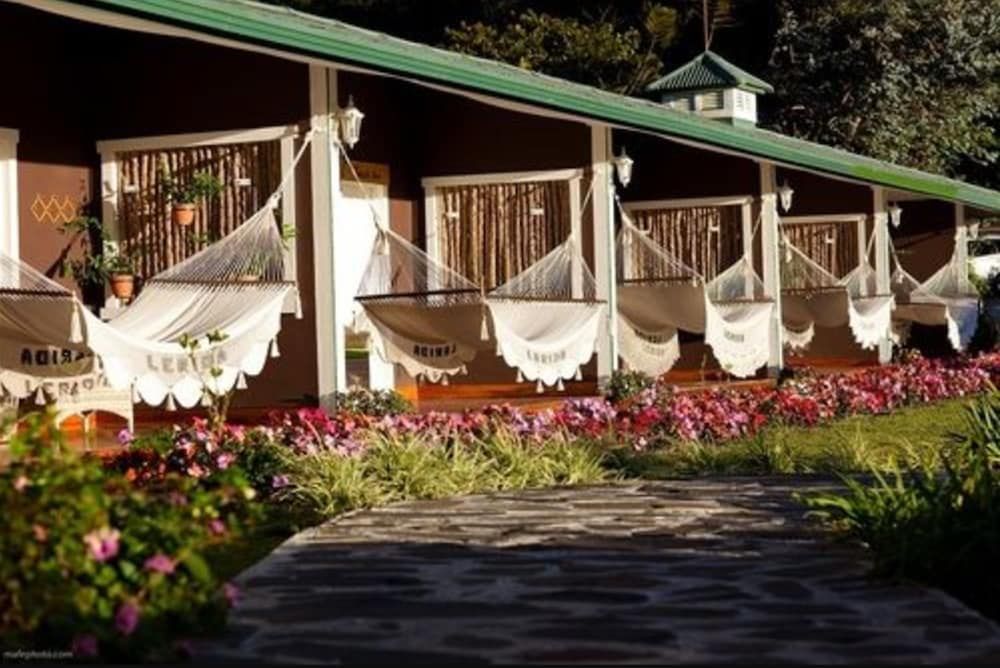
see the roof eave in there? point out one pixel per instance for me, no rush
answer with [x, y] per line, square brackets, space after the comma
[381, 52]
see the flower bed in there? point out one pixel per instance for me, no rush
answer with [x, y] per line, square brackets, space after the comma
[658, 412]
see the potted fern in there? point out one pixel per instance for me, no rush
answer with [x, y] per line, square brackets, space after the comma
[184, 196]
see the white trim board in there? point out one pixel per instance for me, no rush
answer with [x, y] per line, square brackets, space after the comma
[9, 220]
[833, 218]
[497, 178]
[197, 139]
[687, 203]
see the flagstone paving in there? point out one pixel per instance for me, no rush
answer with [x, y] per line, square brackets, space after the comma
[680, 571]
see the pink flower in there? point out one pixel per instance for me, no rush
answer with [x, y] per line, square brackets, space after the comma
[125, 437]
[217, 527]
[160, 563]
[21, 482]
[280, 481]
[40, 532]
[127, 618]
[224, 459]
[103, 543]
[84, 645]
[231, 593]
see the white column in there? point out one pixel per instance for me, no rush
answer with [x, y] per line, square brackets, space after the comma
[603, 204]
[770, 237]
[880, 223]
[962, 246]
[576, 229]
[9, 232]
[746, 218]
[862, 234]
[325, 170]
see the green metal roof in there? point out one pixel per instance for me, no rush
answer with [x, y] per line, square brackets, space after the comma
[300, 33]
[708, 71]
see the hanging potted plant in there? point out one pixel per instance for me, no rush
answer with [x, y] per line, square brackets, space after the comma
[121, 276]
[184, 197]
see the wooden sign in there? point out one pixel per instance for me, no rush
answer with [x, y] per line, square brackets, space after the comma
[368, 172]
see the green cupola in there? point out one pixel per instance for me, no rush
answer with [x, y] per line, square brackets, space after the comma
[712, 87]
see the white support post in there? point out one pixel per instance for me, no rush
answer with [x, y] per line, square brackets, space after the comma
[880, 223]
[289, 258]
[432, 221]
[9, 226]
[770, 237]
[862, 234]
[746, 218]
[603, 202]
[325, 170]
[962, 247]
[576, 230]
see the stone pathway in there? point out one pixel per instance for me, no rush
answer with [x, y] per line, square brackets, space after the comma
[666, 572]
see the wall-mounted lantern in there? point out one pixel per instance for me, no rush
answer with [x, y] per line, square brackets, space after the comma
[785, 194]
[895, 214]
[623, 167]
[349, 123]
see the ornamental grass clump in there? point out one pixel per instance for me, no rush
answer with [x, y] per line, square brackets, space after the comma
[94, 563]
[938, 525]
[397, 467]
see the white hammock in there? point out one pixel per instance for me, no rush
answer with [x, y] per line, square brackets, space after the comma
[812, 296]
[947, 298]
[546, 320]
[419, 314]
[738, 319]
[657, 295]
[234, 287]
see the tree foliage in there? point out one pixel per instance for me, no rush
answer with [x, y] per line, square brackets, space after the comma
[915, 82]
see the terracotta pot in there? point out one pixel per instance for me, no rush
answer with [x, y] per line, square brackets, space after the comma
[122, 286]
[183, 214]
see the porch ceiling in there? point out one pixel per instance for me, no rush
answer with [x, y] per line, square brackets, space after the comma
[307, 35]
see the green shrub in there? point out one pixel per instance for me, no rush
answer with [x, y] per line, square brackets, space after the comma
[88, 560]
[626, 384]
[374, 403]
[937, 526]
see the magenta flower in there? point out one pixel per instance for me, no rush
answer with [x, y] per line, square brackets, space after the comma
[224, 459]
[127, 618]
[280, 481]
[231, 593]
[125, 437]
[160, 563]
[103, 544]
[217, 527]
[84, 645]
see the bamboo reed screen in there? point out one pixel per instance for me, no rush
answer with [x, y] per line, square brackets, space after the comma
[144, 210]
[491, 233]
[833, 245]
[708, 239]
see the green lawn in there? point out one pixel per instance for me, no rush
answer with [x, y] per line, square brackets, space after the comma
[918, 435]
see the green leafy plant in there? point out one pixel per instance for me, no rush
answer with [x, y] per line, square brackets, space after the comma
[627, 384]
[202, 185]
[375, 403]
[215, 399]
[92, 563]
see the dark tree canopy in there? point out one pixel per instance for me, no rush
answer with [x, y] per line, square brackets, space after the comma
[915, 82]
